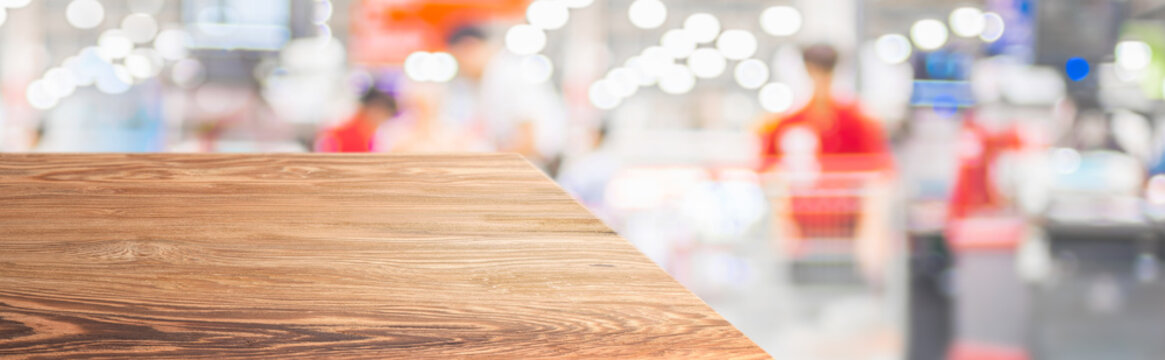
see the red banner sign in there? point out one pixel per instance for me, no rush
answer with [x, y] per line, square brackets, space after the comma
[385, 31]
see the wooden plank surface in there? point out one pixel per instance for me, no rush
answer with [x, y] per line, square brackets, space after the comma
[326, 256]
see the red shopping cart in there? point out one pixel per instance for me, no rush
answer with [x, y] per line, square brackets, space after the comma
[830, 216]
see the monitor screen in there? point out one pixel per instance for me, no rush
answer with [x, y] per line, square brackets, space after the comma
[1086, 29]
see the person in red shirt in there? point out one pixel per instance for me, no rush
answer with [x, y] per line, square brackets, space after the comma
[359, 132]
[839, 125]
[830, 136]
[979, 148]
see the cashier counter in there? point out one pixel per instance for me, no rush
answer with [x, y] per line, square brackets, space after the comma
[1083, 281]
[1103, 295]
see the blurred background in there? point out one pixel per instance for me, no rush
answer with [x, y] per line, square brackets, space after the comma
[840, 179]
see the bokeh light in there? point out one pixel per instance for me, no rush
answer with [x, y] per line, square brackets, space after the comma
[893, 48]
[141, 28]
[537, 68]
[322, 11]
[1133, 55]
[656, 60]
[172, 44]
[115, 44]
[645, 75]
[73, 63]
[707, 63]
[525, 39]
[751, 74]
[312, 53]
[776, 97]
[1077, 69]
[415, 65]
[967, 22]
[929, 34]
[155, 59]
[647, 14]
[139, 66]
[59, 82]
[800, 140]
[703, 27]
[85, 14]
[677, 79]
[601, 97]
[324, 32]
[622, 82]
[737, 44]
[993, 27]
[39, 97]
[781, 20]
[679, 43]
[441, 67]
[548, 14]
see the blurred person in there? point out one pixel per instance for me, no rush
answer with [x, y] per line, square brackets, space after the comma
[839, 125]
[980, 146]
[831, 135]
[418, 128]
[358, 133]
[491, 100]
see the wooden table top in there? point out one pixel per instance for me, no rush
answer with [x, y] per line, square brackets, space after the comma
[326, 256]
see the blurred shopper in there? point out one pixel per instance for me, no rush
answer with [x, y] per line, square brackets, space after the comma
[419, 129]
[840, 126]
[975, 193]
[490, 98]
[830, 136]
[358, 133]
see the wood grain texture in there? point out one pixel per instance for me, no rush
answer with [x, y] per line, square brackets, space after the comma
[326, 256]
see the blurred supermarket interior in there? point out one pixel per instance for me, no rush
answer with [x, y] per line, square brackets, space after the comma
[840, 179]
